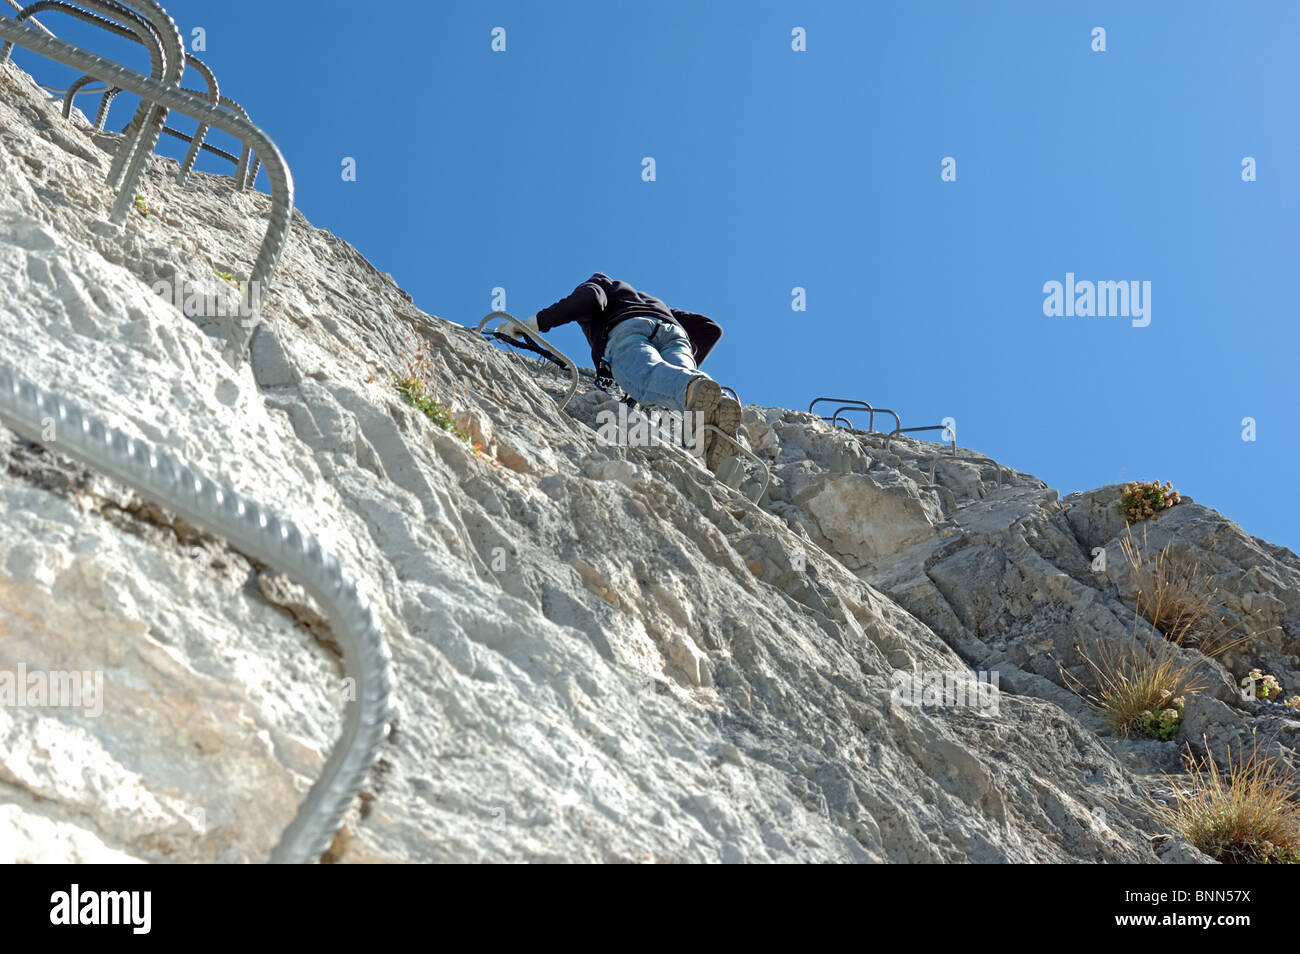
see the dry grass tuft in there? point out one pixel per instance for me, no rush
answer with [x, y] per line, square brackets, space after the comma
[1242, 813]
[1140, 693]
[1181, 602]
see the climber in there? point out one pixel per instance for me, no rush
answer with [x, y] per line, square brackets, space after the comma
[654, 352]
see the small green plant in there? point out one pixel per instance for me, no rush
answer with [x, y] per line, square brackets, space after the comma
[1242, 813]
[413, 384]
[141, 205]
[416, 393]
[228, 277]
[1164, 724]
[1277, 855]
[1142, 501]
[1264, 686]
[1140, 693]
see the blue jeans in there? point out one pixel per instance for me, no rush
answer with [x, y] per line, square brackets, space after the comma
[653, 361]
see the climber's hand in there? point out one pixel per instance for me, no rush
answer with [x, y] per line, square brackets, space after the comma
[511, 328]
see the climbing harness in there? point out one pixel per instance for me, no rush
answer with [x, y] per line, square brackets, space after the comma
[164, 479]
[523, 344]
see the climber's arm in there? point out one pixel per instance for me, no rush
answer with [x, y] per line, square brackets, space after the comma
[585, 302]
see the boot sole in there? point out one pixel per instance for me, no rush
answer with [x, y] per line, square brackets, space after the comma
[728, 420]
[729, 415]
[707, 396]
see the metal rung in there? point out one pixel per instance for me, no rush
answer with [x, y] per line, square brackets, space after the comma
[973, 460]
[168, 96]
[767, 474]
[541, 342]
[184, 137]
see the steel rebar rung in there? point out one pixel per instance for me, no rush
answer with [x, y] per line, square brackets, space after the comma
[259, 533]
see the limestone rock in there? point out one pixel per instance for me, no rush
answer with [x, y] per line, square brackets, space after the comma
[601, 653]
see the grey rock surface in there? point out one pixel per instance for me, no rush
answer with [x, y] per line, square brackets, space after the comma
[601, 653]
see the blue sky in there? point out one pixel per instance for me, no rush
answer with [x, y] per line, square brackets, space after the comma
[820, 169]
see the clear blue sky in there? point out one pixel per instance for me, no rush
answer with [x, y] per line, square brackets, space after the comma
[821, 169]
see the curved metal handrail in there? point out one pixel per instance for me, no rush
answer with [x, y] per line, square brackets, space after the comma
[73, 91]
[152, 27]
[157, 56]
[835, 416]
[163, 479]
[252, 171]
[266, 536]
[541, 342]
[191, 105]
[107, 10]
[853, 405]
[127, 169]
[36, 23]
[166, 62]
[849, 404]
[196, 141]
[29, 12]
[924, 427]
[816, 401]
[974, 460]
[143, 33]
[138, 30]
[105, 104]
[214, 97]
[927, 427]
[834, 419]
[871, 421]
[85, 92]
[240, 161]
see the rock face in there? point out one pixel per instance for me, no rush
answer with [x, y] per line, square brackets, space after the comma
[601, 653]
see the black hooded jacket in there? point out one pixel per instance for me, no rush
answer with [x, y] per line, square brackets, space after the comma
[600, 303]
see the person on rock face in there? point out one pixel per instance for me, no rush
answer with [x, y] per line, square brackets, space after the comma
[654, 352]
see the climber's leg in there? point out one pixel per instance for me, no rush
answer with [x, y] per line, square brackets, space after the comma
[673, 343]
[720, 410]
[641, 369]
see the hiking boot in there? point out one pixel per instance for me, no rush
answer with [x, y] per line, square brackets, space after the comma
[717, 449]
[729, 415]
[702, 397]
